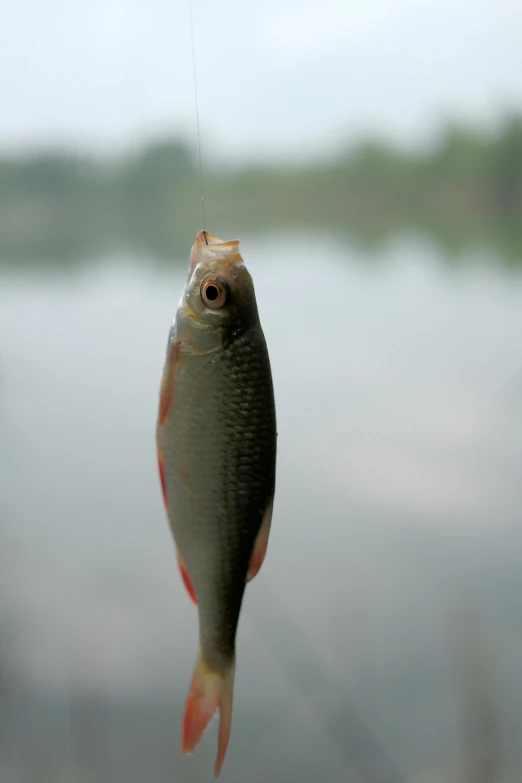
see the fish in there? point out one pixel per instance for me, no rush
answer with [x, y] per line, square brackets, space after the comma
[216, 441]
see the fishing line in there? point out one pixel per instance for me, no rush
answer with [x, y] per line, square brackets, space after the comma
[197, 119]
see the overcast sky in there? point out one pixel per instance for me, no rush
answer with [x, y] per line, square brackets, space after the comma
[274, 77]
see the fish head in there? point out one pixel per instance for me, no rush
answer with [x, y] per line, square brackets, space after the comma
[218, 302]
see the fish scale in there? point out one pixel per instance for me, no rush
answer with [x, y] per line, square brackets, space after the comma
[221, 432]
[216, 439]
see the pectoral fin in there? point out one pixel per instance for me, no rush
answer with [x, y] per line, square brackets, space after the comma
[168, 381]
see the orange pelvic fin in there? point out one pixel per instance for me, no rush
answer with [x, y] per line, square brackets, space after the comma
[260, 547]
[186, 578]
[161, 468]
[208, 692]
[168, 381]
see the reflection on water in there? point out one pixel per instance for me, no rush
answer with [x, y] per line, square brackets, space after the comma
[398, 502]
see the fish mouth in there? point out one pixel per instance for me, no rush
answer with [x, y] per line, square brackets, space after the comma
[208, 247]
[208, 239]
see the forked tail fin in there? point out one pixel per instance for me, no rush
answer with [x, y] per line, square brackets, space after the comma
[209, 691]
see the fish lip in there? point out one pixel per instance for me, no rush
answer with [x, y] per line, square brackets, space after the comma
[208, 247]
[209, 240]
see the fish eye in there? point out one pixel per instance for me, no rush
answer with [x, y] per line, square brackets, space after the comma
[213, 293]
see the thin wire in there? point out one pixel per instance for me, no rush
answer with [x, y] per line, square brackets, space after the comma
[197, 118]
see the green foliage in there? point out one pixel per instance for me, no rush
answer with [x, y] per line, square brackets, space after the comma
[159, 165]
[466, 190]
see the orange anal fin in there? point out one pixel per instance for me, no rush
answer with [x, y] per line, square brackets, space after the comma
[208, 692]
[168, 381]
[186, 579]
[261, 545]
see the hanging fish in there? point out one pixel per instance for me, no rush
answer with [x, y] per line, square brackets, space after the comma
[216, 440]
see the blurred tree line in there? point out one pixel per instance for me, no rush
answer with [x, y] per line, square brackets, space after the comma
[466, 190]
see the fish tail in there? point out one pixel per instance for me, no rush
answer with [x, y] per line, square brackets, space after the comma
[209, 691]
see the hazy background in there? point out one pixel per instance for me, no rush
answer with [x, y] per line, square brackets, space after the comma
[369, 158]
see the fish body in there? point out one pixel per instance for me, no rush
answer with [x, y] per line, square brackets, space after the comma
[216, 440]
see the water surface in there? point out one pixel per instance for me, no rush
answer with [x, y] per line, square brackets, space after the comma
[398, 502]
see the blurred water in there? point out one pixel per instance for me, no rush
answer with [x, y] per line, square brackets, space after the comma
[398, 502]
